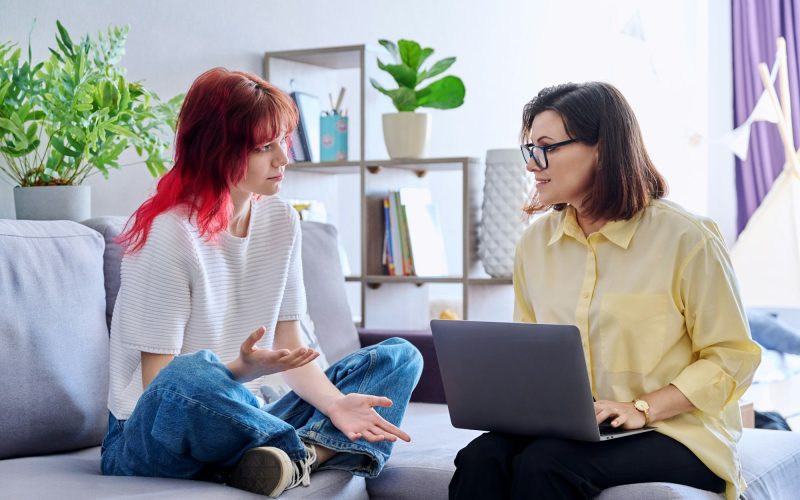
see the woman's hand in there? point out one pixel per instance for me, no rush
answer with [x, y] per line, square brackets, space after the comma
[254, 362]
[353, 414]
[624, 415]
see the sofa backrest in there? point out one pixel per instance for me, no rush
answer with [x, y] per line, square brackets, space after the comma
[58, 285]
[322, 273]
[53, 338]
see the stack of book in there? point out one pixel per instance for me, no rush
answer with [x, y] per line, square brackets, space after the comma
[412, 243]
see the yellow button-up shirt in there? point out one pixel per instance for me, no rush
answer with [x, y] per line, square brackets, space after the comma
[656, 302]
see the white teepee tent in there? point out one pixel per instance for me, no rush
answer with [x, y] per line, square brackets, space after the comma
[766, 257]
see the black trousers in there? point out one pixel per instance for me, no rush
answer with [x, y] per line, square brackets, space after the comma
[499, 466]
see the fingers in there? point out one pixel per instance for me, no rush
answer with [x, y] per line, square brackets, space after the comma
[380, 401]
[392, 431]
[298, 357]
[353, 436]
[249, 344]
[373, 437]
[621, 419]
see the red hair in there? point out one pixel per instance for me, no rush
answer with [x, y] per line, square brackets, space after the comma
[225, 115]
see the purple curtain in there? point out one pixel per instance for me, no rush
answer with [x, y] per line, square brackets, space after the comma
[756, 26]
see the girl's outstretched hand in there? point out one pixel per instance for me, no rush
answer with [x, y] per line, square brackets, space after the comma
[254, 361]
[353, 414]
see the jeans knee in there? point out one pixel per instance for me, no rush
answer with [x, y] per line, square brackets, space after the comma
[403, 355]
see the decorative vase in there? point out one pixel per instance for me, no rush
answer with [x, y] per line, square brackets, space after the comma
[506, 190]
[406, 134]
[53, 203]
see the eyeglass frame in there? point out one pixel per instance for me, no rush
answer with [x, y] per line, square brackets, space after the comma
[530, 147]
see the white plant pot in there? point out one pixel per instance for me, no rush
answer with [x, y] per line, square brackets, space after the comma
[406, 134]
[506, 190]
[53, 203]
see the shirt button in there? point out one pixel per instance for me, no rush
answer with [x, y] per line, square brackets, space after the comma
[585, 295]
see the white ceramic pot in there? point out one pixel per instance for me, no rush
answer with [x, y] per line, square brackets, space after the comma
[406, 134]
[53, 203]
[507, 189]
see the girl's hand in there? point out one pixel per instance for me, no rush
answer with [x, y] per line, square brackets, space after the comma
[254, 362]
[353, 414]
[624, 414]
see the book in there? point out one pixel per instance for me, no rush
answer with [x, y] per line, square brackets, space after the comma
[396, 238]
[424, 233]
[387, 239]
[308, 124]
[405, 245]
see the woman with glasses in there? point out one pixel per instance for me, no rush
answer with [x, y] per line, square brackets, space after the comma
[209, 304]
[651, 289]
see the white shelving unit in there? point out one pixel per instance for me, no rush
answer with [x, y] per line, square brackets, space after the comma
[356, 189]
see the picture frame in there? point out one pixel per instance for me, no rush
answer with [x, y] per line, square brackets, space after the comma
[309, 110]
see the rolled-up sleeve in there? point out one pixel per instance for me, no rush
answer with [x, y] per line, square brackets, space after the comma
[727, 357]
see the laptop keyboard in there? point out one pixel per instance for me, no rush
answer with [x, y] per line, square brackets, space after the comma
[606, 429]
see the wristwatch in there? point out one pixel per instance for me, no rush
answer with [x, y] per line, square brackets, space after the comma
[644, 407]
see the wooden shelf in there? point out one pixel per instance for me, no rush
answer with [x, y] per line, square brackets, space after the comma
[489, 281]
[318, 68]
[345, 57]
[327, 167]
[412, 279]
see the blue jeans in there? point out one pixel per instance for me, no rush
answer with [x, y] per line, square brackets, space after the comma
[194, 421]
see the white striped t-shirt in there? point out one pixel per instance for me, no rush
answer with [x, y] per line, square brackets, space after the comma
[181, 293]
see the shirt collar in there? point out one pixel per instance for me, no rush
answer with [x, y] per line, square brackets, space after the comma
[619, 232]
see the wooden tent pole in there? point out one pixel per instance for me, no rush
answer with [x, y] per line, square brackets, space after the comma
[792, 158]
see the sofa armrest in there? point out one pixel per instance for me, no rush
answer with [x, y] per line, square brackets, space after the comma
[429, 389]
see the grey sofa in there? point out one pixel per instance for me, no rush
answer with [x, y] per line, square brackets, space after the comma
[58, 282]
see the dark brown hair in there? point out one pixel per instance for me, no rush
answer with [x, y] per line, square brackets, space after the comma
[597, 113]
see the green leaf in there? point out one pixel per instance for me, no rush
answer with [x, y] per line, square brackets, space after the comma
[64, 150]
[423, 56]
[12, 128]
[56, 55]
[402, 74]
[76, 143]
[403, 98]
[120, 130]
[438, 68]
[410, 53]
[391, 48]
[446, 93]
[4, 90]
[62, 31]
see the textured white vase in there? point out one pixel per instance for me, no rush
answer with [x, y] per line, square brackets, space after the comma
[53, 203]
[506, 190]
[406, 134]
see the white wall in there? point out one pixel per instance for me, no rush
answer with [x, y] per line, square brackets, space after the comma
[506, 51]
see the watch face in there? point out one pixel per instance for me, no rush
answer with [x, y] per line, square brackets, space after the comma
[641, 405]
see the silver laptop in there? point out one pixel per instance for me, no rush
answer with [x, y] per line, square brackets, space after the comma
[519, 378]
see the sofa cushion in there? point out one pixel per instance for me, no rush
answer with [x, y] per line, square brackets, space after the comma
[76, 476]
[771, 463]
[53, 338]
[424, 467]
[110, 227]
[325, 291]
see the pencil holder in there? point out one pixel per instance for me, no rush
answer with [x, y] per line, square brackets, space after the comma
[333, 138]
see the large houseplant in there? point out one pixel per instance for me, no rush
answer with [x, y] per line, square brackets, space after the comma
[71, 116]
[406, 132]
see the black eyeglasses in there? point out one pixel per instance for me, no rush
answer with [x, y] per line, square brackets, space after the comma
[539, 153]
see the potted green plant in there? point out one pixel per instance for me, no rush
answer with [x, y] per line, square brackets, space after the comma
[71, 116]
[406, 132]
